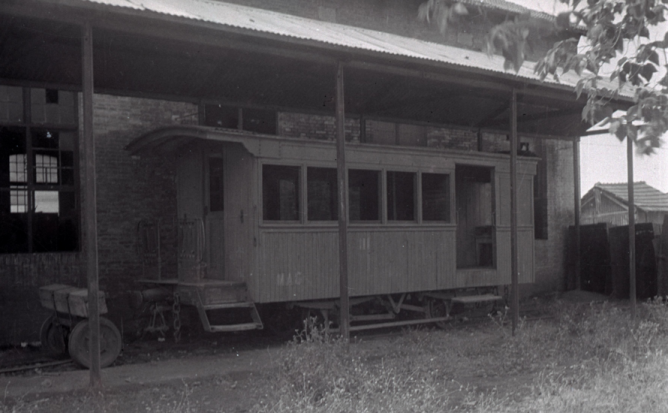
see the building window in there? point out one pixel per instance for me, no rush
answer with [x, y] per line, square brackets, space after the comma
[280, 193]
[322, 194]
[38, 197]
[400, 196]
[364, 195]
[233, 117]
[435, 197]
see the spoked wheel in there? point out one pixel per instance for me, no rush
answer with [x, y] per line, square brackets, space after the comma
[53, 336]
[110, 343]
[437, 308]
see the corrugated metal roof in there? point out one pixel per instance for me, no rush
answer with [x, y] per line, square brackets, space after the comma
[645, 196]
[509, 6]
[289, 26]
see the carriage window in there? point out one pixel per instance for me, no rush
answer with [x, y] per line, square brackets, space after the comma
[322, 194]
[280, 193]
[435, 197]
[400, 196]
[364, 195]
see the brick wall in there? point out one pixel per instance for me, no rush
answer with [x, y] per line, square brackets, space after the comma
[131, 189]
[128, 190]
[550, 255]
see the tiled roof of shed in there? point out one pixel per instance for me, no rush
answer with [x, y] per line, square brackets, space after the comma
[645, 196]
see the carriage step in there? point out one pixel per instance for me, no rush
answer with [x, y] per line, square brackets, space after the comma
[224, 306]
[475, 299]
[233, 327]
[256, 324]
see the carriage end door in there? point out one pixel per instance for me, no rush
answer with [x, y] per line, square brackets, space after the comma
[214, 219]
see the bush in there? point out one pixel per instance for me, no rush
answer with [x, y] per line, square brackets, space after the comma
[320, 373]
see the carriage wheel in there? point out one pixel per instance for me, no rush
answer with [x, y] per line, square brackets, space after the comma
[110, 343]
[53, 336]
[437, 308]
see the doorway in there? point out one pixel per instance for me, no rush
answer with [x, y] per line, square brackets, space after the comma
[214, 216]
[474, 191]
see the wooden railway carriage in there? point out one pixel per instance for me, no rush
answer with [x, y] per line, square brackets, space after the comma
[262, 210]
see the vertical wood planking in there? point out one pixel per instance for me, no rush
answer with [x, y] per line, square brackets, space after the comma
[303, 265]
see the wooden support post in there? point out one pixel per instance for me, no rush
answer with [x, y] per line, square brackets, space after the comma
[343, 197]
[515, 294]
[632, 227]
[90, 198]
[577, 207]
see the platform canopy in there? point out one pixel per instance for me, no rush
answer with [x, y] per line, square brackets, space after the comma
[211, 50]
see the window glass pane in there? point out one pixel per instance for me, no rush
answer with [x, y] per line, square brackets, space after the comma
[46, 202]
[42, 138]
[216, 200]
[12, 156]
[18, 168]
[364, 195]
[260, 121]
[18, 200]
[435, 197]
[66, 140]
[280, 193]
[322, 194]
[67, 159]
[67, 176]
[46, 168]
[400, 196]
[221, 116]
[11, 103]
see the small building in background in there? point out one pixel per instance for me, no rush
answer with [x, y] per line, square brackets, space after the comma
[610, 202]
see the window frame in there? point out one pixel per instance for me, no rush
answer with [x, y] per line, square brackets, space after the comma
[30, 129]
[383, 220]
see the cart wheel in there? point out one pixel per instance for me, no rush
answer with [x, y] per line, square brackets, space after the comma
[53, 336]
[110, 343]
[437, 308]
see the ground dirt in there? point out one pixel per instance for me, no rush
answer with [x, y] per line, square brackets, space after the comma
[236, 372]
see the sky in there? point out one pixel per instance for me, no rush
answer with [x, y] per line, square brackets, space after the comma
[603, 157]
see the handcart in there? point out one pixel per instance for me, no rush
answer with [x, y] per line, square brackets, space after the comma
[67, 330]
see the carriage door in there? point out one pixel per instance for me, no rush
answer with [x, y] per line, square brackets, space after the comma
[214, 199]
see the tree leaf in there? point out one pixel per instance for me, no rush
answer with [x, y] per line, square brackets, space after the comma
[563, 20]
[460, 9]
[654, 57]
[614, 126]
[632, 131]
[620, 133]
[647, 71]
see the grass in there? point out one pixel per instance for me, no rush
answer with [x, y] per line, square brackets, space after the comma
[585, 358]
